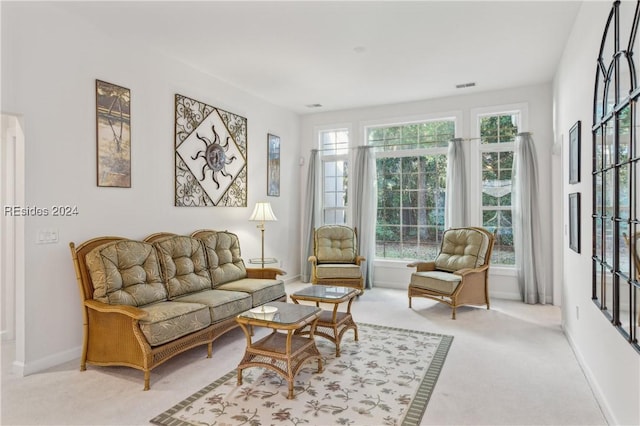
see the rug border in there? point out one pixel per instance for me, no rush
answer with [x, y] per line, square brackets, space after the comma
[412, 417]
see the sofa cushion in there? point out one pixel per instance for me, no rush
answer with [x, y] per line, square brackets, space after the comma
[126, 273]
[167, 321]
[338, 270]
[439, 281]
[261, 290]
[183, 264]
[223, 254]
[462, 248]
[335, 244]
[222, 304]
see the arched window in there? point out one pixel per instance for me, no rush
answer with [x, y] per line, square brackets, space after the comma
[616, 173]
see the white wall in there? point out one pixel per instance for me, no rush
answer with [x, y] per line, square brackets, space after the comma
[50, 61]
[611, 364]
[538, 99]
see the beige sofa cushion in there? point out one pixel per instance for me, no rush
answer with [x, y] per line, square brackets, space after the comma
[167, 321]
[338, 270]
[222, 249]
[261, 290]
[126, 273]
[462, 248]
[335, 244]
[222, 304]
[183, 264]
[442, 282]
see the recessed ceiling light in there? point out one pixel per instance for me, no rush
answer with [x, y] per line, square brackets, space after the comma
[463, 85]
[313, 105]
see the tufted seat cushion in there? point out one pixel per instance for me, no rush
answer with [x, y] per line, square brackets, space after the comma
[335, 244]
[167, 321]
[261, 290]
[462, 248]
[222, 304]
[126, 273]
[442, 282]
[184, 265]
[338, 270]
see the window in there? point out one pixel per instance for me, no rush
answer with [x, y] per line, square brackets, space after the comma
[334, 146]
[411, 163]
[616, 173]
[497, 133]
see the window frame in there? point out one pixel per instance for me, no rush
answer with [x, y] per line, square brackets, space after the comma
[319, 131]
[455, 116]
[477, 148]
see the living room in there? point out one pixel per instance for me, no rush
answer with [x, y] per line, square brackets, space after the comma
[52, 54]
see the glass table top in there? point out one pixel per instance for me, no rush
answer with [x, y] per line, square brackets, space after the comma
[326, 292]
[287, 313]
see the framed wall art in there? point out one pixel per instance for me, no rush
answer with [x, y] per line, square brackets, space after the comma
[113, 135]
[574, 221]
[273, 165]
[210, 155]
[574, 153]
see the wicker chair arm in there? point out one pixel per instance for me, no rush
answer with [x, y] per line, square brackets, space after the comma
[268, 273]
[360, 259]
[313, 259]
[468, 271]
[423, 266]
[130, 311]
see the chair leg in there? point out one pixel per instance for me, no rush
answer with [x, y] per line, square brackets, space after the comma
[409, 302]
[453, 312]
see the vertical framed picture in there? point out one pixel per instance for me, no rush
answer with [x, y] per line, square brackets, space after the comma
[113, 135]
[574, 221]
[273, 165]
[574, 153]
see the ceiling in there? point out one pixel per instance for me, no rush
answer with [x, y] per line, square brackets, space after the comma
[348, 54]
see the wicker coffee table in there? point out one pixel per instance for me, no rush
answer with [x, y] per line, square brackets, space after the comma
[282, 351]
[331, 324]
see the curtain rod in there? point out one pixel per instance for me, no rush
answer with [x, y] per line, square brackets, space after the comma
[408, 143]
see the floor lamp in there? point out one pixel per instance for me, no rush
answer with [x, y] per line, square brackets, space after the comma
[262, 213]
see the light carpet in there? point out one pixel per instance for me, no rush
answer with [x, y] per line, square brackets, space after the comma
[385, 378]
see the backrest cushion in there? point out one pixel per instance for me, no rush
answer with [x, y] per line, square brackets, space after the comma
[223, 254]
[335, 244]
[462, 248]
[126, 273]
[183, 264]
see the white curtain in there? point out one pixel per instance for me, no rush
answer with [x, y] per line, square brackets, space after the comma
[526, 221]
[365, 207]
[311, 213]
[456, 196]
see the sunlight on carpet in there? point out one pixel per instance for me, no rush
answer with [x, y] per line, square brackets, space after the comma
[385, 378]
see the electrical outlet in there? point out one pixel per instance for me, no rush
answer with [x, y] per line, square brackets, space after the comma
[47, 236]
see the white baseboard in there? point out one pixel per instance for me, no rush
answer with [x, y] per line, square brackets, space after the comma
[25, 369]
[593, 384]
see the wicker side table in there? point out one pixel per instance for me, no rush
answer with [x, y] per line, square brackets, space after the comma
[282, 351]
[332, 324]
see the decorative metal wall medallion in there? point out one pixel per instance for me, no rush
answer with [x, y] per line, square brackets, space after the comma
[211, 156]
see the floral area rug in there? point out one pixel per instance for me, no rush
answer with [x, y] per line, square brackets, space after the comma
[385, 378]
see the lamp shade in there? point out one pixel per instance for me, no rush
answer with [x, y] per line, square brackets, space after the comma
[263, 213]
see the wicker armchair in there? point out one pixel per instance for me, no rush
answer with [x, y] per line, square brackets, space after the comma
[459, 274]
[335, 259]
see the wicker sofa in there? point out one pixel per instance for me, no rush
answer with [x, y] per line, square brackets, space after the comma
[144, 302]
